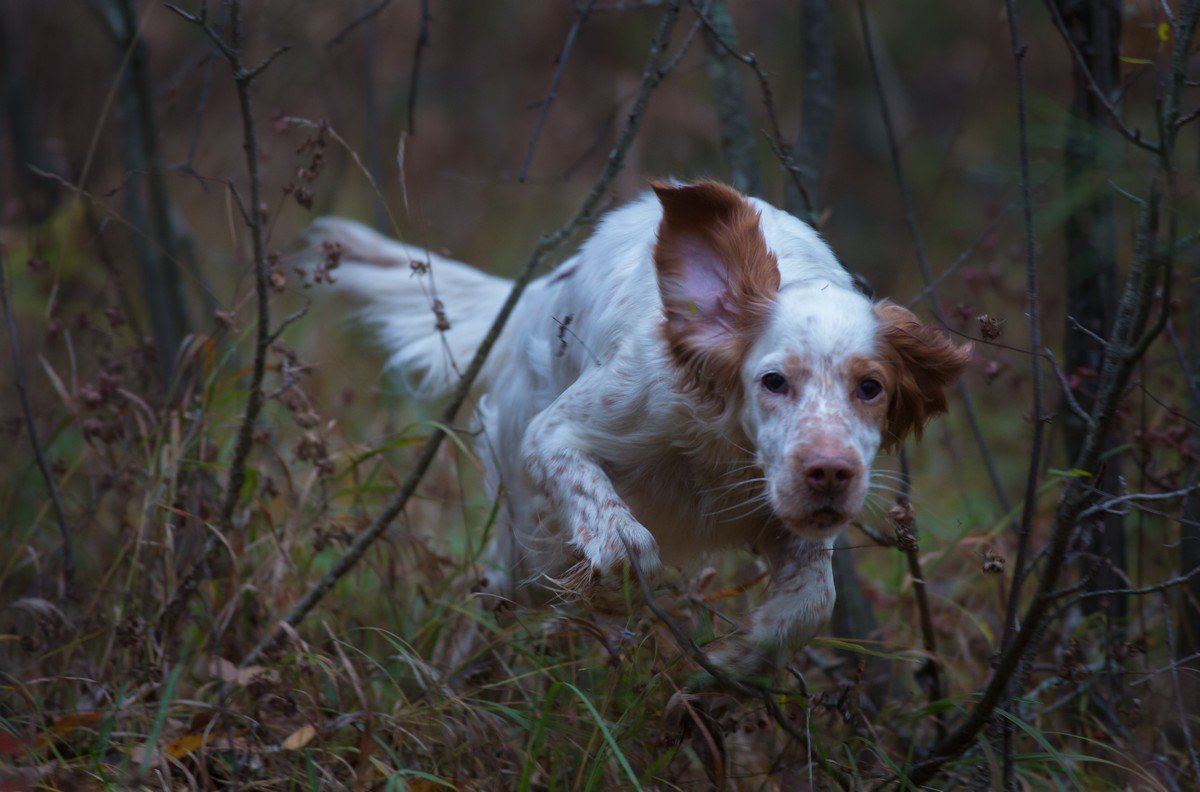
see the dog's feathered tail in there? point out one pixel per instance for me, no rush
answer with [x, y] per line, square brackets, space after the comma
[431, 313]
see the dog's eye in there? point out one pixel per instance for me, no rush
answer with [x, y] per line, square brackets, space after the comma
[774, 382]
[868, 389]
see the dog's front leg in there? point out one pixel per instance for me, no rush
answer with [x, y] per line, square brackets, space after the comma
[578, 498]
[799, 602]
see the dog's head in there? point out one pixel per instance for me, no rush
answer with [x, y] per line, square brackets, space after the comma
[819, 376]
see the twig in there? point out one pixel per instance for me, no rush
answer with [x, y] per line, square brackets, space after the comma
[1154, 588]
[1132, 135]
[652, 74]
[365, 16]
[1189, 376]
[414, 78]
[962, 257]
[1072, 403]
[290, 319]
[737, 141]
[1184, 716]
[1033, 310]
[782, 150]
[816, 103]
[64, 528]
[1135, 497]
[148, 202]
[764, 693]
[923, 260]
[912, 554]
[560, 65]
[1132, 316]
[232, 51]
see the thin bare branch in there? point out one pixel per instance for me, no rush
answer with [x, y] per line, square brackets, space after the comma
[736, 138]
[652, 75]
[560, 64]
[14, 343]
[252, 74]
[1033, 311]
[1154, 588]
[781, 148]
[923, 260]
[1132, 135]
[254, 219]
[811, 149]
[415, 77]
[1073, 403]
[765, 694]
[365, 16]
[1131, 319]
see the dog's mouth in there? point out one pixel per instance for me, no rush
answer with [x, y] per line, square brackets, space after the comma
[817, 523]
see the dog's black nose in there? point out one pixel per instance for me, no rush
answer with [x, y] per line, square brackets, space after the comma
[829, 475]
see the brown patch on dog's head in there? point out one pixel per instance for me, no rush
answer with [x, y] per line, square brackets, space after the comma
[922, 363]
[718, 281]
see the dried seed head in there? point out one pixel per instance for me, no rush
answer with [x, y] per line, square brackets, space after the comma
[989, 327]
[225, 320]
[902, 513]
[906, 540]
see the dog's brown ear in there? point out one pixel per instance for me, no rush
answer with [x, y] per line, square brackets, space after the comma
[924, 363]
[717, 278]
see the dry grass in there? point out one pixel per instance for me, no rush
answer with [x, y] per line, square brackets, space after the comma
[398, 680]
[375, 689]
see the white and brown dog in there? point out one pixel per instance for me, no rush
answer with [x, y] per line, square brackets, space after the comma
[701, 375]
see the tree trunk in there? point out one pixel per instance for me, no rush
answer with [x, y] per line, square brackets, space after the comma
[1091, 268]
[737, 138]
[1188, 643]
[147, 202]
[816, 125]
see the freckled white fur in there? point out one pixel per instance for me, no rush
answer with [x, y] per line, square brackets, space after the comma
[585, 429]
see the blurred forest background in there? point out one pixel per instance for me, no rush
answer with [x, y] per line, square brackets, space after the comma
[204, 438]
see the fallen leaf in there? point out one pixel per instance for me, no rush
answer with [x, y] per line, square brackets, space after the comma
[12, 746]
[74, 720]
[182, 746]
[733, 591]
[299, 738]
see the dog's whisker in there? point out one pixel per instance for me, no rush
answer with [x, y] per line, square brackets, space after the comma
[734, 485]
[758, 499]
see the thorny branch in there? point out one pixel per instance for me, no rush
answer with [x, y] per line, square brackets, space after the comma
[64, 528]
[244, 79]
[652, 75]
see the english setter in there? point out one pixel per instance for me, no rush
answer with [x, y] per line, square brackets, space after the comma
[701, 375]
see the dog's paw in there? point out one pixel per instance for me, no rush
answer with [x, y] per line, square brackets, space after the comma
[624, 540]
[741, 660]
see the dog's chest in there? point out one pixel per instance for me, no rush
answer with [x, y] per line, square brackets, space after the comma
[693, 509]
